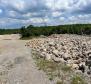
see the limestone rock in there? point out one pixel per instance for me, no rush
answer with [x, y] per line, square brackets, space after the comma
[70, 49]
[75, 66]
[55, 52]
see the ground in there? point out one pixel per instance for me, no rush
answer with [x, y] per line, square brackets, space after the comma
[16, 63]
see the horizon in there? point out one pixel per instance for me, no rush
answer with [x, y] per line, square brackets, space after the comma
[18, 13]
[47, 25]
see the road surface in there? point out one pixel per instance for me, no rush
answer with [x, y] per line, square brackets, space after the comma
[17, 65]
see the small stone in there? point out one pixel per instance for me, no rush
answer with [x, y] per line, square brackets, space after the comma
[75, 66]
[66, 56]
[48, 56]
[51, 44]
[55, 52]
[58, 59]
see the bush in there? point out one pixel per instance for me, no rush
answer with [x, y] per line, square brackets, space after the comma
[61, 29]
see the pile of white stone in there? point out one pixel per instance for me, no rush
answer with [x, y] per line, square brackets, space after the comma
[73, 50]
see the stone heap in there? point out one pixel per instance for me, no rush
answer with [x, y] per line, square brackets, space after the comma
[74, 50]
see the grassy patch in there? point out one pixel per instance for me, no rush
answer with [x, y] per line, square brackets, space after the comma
[30, 37]
[51, 68]
[59, 82]
[78, 80]
[26, 38]
[66, 68]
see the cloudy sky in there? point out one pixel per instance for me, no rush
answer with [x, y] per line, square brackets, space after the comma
[16, 13]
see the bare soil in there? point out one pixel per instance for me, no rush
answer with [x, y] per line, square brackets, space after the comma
[16, 63]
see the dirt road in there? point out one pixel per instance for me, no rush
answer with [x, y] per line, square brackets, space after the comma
[17, 65]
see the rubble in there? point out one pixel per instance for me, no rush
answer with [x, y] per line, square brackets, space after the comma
[74, 50]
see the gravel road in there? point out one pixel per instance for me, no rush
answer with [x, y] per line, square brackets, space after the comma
[17, 65]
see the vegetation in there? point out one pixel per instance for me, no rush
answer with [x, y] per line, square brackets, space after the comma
[66, 68]
[9, 31]
[78, 80]
[32, 31]
[51, 68]
[59, 82]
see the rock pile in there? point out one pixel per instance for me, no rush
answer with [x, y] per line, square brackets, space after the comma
[74, 50]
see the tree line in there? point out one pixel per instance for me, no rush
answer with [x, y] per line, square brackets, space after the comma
[31, 31]
[9, 31]
[80, 29]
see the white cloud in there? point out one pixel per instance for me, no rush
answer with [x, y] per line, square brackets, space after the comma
[18, 4]
[56, 13]
[62, 18]
[53, 11]
[1, 11]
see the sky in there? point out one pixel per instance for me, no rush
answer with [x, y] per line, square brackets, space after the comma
[17, 13]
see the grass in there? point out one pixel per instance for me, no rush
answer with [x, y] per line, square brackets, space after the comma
[51, 68]
[25, 38]
[66, 68]
[30, 37]
[59, 82]
[78, 80]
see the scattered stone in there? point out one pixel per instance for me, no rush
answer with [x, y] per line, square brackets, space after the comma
[74, 50]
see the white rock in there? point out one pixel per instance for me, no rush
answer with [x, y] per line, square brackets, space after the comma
[51, 43]
[69, 65]
[66, 56]
[56, 59]
[55, 52]
[75, 66]
[82, 63]
[70, 61]
[48, 56]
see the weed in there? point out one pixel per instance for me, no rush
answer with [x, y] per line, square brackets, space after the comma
[78, 80]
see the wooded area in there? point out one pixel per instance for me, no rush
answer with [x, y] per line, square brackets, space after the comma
[48, 30]
[79, 29]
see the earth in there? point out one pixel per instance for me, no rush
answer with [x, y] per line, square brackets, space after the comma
[16, 63]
